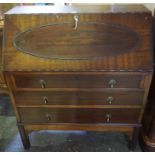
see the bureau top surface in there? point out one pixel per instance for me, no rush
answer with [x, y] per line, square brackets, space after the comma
[115, 8]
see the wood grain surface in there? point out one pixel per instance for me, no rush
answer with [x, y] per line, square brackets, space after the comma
[73, 115]
[139, 58]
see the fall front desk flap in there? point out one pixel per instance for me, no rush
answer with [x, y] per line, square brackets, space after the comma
[69, 38]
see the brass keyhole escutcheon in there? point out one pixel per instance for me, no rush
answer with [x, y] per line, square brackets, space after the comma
[76, 20]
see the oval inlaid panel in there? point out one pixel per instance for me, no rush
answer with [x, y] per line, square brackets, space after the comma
[88, 41]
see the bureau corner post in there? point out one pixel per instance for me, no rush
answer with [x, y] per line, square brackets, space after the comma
[24, 136]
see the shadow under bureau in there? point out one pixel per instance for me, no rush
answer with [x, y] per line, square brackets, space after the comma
[78, 68]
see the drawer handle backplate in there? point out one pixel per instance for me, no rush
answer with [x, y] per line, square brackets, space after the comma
[112, 83]
[45, 100]
[108, 117]
[48, 116]
[42, 83]
[110, 99]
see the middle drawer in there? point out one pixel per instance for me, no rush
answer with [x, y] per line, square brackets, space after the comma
[112, 97]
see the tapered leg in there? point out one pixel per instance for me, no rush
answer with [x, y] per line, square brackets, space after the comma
[24, 137]
[134, 138]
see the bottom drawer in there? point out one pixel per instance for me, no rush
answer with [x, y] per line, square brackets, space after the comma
[78, 115]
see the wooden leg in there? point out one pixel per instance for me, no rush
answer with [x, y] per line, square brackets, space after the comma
[134, 139]
[24, 137]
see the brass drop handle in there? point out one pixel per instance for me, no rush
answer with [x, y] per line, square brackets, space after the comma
[45, 100]
[48, 116]
[108, 116]
[76, 20]
[42, 83]
[112, 83]
[110, 99]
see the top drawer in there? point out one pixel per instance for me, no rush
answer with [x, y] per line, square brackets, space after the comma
[80, 80]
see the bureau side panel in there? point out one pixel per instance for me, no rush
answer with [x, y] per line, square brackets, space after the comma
[146, 82]
[9, 82]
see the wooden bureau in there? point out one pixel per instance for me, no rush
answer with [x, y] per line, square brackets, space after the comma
[78, 67]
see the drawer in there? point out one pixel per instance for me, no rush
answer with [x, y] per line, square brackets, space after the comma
[115, 97]
[110, 80]
[80, 115]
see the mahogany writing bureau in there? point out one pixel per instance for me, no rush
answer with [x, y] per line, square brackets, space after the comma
[78, 67]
